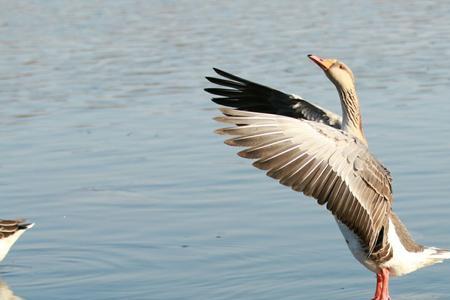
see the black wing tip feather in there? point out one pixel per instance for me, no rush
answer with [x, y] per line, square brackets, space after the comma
[216, 80]
[217, 91]
[237, 85]
[211, 79]
[232, 77]
[232, 86]
[220, 72]
[226, 92]
[225, 102]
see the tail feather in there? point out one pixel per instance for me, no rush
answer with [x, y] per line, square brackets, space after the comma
[24, 226]
[439, 254]
[8, 238]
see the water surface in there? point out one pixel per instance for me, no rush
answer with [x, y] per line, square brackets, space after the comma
[107, 143]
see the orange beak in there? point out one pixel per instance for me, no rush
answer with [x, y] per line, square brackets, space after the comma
[324, 63]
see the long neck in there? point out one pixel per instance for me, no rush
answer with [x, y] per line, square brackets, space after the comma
[351, 119]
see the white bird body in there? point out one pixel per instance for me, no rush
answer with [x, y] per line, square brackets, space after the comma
[402, 261]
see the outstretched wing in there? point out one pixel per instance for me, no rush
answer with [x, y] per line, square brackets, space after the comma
[323, 162]
[245, 95]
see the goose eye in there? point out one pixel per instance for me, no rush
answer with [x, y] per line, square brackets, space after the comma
[341, 67]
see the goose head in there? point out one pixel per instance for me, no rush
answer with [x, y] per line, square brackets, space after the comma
[336, 71]
[343, 79]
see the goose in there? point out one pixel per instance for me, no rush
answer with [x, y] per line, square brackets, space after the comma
[325, 156]
[10, 231]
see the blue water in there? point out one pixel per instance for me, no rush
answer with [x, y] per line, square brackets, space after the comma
[107, 144]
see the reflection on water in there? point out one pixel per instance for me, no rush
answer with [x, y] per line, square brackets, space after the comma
[107, 144]
[6, 293]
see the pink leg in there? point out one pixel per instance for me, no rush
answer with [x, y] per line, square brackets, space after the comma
[379, 286]
[385, 290]
[382, 291]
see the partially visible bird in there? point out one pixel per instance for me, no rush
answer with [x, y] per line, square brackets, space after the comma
[315, 151]
[10, 231]
[6, 293]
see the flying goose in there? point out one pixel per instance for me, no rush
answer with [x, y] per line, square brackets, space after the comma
[314, 151]
[10, 231]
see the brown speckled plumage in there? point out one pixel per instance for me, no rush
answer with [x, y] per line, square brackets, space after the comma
[9, 227]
